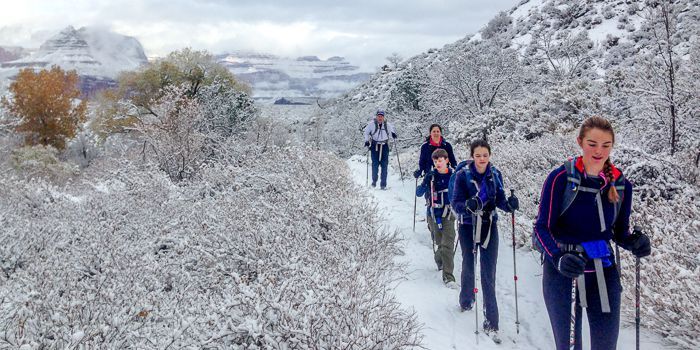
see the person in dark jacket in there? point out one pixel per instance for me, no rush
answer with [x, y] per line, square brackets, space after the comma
[585, 204]
[439, 215]
[433, 142]
[478, 191]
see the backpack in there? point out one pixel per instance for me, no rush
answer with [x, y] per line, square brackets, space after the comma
[464, 166]
[377, 129]
[453, 177]
[573, 182]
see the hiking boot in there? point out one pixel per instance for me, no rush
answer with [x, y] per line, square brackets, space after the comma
[374, 185]
[452, 285]
[467, 307]
[493, 334]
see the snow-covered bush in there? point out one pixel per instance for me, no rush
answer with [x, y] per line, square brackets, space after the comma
[42, 162]
[84, 148]
[171, 134]
[277, 250]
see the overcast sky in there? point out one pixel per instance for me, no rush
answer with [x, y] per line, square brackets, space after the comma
[363, 31]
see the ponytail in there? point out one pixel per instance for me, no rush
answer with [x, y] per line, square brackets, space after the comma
[613, 196]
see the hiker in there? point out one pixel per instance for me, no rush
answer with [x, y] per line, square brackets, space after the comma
[586, 203]
[439, 215]
[478, 191]
[433, 142]
[377, 134]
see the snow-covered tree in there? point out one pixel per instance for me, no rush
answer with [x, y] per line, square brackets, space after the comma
[482, 77]
[564, 55]
[395, 59]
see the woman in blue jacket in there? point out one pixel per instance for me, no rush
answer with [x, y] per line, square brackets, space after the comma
[478, 191]
[585, 204]
[433, 142]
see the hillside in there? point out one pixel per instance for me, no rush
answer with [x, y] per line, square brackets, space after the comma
[528, 79]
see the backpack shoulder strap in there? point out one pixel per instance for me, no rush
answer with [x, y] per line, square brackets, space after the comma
[573, 181]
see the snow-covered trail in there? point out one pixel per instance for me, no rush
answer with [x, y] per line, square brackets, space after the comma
[436, 306]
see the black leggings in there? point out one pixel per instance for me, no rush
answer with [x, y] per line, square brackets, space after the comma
[604, 327]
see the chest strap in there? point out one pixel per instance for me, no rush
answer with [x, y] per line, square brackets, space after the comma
[477, 221]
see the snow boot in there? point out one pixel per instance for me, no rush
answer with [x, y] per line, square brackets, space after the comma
[493, 334]
[452, 285]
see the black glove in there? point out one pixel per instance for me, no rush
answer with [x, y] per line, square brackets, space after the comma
[393, 134]
[473, 204]
[366, 143]
[513, 203]
[570, 265]
[417, 173]
[639, 244]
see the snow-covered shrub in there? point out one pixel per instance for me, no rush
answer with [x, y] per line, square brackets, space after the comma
[274, 250]
[84, 148]
[42, 162]
[171, 134]
[667, 209]
[608, 12]
[500, 24]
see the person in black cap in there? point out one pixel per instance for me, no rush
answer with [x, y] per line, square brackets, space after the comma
[377, 134]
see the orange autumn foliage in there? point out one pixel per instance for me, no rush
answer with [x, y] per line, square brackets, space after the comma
[44, 101]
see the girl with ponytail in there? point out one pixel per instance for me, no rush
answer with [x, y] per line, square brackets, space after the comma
[585, 204]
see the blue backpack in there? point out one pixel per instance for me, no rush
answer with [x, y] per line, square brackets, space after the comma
[451, 184]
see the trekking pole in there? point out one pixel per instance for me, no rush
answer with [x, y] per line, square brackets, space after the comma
[415, 203]
[367, 171]
[456, 228]
[398, 160]
[617, 259]
[432, 212]
[476, 290]
[636, 292]
[572, 323]
[515, 271]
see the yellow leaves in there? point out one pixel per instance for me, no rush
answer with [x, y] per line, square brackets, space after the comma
[45, 101]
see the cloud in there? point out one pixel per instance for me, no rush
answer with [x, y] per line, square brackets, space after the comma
[364, 31]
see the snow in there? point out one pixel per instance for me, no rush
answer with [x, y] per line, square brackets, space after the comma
[523, 9]
[421, 288]
[607, 27]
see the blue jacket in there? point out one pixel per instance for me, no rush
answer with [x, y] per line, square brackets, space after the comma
[425, 162]
[492, 193]
[580, 222]
[441, 182]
